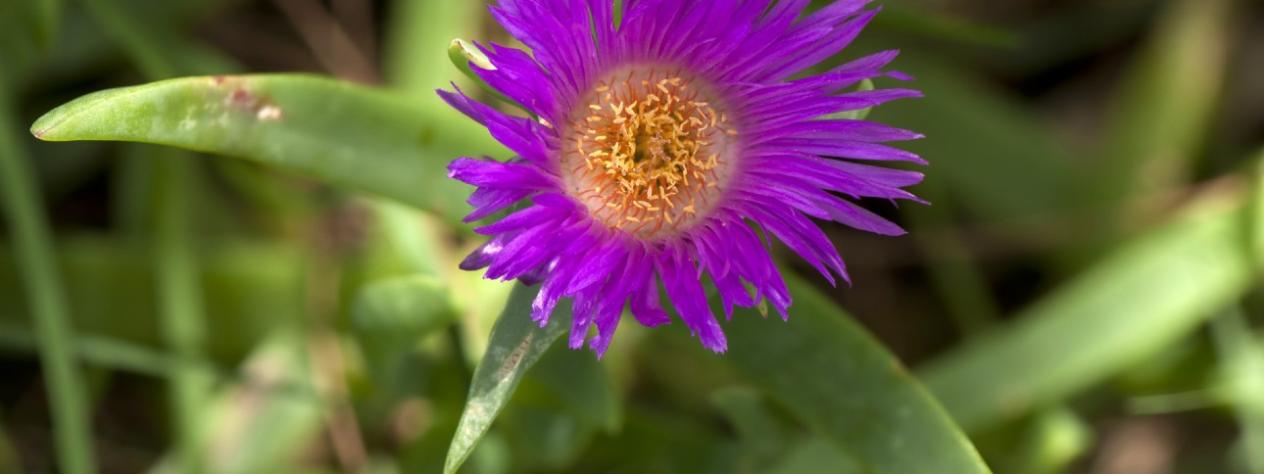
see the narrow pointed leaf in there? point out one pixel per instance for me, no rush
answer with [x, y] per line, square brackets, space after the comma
[842, 384]
[351, 136]
[516, 344]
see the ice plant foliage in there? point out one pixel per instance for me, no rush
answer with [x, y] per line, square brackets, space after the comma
[669, 142]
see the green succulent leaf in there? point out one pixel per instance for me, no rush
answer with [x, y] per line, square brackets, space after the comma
[347, 135]
[1133, 303]
[881, 415]
[796, 364]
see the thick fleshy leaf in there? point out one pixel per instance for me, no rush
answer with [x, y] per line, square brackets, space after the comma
[1125, 308]
[516, 344]
[881, 415]
[347, 135]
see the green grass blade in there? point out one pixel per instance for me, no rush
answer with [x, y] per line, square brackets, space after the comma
[251, 287]
[33, 246]
[47, 19]
[180, 299]
[417, 47]
[844, 385]
[347, 135]
[100, 351]
[1133, 303]
[182, 316]
[516, 344]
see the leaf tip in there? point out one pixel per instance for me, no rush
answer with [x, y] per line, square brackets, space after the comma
[42, 126]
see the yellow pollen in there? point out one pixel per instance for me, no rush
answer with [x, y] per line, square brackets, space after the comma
[650, 134]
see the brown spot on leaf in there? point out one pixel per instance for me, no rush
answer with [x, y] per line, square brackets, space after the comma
[260, 106]
[514, 359]
[241, 96]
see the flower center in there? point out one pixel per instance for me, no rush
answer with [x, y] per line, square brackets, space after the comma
[649, 152]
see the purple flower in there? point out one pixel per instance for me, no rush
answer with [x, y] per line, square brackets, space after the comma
[670, 145]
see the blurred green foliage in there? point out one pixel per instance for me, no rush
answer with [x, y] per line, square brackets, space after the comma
[1082, 296]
